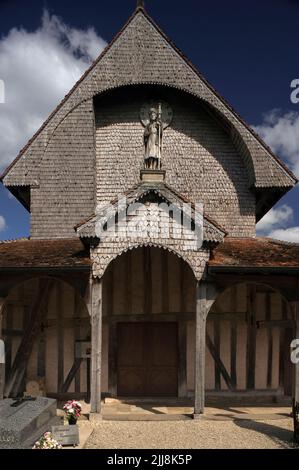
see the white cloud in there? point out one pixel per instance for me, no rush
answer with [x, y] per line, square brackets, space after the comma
[38, 69]
[281, 132]
[2, 223]
[289, 234]
[275, 218]
[274, 224]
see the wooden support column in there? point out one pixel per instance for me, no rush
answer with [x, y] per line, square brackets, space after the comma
[96, 346]
[182, 372]
[112, 358]
[295, 306]
[2, 351]
[200, 348]
[2, 301]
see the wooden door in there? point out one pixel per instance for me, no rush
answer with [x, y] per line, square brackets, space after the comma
[147, 359]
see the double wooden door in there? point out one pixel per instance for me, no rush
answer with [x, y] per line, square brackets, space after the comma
[147, 359]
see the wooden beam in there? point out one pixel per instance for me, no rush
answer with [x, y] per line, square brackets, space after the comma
[2, 304]
[295, 307]
[2, 359]
[16, 333]
[200, 348]
[18, 369]
[88, 375]
[71, 376]
[182, 366]
[233, 338]
[165, 281]
[9, 311]
[163, 317]
[96, 346]
[148, 287]
[251, 337]
[59, 336]
[282, 341]
[77, 332]
[217, 350]
[112, 359]
[219, 363]
[129, 281]
[280, 323]
[270, 339]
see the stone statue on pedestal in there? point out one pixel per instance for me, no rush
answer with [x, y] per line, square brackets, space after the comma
[155, 117]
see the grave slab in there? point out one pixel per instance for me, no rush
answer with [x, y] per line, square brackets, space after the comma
[22, 425]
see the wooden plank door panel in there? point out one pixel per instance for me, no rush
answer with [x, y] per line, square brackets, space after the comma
[131, 373]
[147, 359]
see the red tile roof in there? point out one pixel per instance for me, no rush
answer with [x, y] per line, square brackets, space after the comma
[57, 254]
[71, 254]
[255, 253]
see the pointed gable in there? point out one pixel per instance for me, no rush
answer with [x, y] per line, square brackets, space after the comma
[159, 206]
[141, 54]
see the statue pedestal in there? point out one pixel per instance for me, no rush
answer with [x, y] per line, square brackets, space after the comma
[152, 176]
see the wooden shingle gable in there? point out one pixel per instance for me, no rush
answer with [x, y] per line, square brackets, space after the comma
[142, 54]
[144, 193]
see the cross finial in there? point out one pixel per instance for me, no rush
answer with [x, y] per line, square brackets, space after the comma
[140, 4]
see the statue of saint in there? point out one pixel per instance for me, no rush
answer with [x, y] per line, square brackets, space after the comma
[153, 140]
[155, 117]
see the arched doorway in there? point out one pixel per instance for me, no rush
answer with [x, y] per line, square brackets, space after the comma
[249, 331]
[43, 320]
[148, 304]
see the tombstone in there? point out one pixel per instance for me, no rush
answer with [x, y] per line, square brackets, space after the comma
[24, 421]
[66, 435]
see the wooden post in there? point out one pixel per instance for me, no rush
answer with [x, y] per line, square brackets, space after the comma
[112, 358]
[182, 372]
[295, 306]
[2, 351]
[96, 346]
[2, 300]
[200, 348]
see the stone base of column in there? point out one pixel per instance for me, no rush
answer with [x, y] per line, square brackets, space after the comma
[95, 418]
[197, 416]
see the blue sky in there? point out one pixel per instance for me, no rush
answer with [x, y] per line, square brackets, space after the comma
[248, 50]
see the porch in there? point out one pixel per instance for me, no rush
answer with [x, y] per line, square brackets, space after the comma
[247, 326]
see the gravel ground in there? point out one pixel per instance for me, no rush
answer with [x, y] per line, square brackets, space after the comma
[202, 434]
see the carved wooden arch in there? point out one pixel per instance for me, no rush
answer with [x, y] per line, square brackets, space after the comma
[216, 292]
[230, 127]
[196, 260]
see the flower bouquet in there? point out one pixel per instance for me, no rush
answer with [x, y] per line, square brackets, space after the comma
[72, 410]
[47, 442]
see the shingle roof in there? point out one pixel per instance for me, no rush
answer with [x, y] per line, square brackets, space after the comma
[141, 39]
[51, 254]
[255, 253]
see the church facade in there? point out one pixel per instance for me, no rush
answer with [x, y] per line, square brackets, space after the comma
[143, 276]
